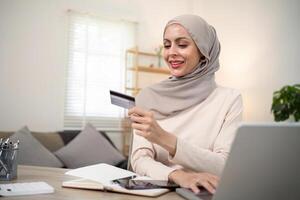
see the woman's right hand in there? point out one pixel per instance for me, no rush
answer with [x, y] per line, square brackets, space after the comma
[192, 180]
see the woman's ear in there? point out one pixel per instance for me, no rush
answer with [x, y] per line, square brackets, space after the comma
[202, 58]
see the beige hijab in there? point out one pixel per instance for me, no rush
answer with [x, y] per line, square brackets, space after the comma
[179, 93]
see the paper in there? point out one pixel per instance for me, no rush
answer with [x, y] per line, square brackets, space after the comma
[102, 173]
[83, 184]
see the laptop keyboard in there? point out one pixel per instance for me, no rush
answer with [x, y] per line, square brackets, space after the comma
[188, 194]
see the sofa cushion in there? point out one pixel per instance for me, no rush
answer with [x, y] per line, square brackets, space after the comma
[51, 140]
[68, 135]
[32, 152]
[87, 148]
[5, 134]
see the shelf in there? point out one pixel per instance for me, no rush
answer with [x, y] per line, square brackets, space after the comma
[150, 69]
[133, 89]
[139, 71]
[134, 51]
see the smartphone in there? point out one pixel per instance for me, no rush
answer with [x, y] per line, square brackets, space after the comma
[133, 184]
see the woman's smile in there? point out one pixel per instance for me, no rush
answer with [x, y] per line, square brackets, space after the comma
[176, 63]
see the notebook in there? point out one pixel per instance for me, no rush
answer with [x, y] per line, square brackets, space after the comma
[101, 176]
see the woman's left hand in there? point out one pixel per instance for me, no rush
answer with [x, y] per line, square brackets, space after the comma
[192, 180]
[146, 126]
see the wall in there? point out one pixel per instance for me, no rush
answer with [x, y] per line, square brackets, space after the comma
[33, 53]
[260, 47]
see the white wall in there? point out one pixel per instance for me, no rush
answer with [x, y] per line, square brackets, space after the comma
[33, 43]
[260, 48]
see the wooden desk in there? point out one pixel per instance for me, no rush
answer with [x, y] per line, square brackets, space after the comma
[55, 177]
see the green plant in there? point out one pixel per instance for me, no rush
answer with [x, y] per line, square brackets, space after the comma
[286, 103]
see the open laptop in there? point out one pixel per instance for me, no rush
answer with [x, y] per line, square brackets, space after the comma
[264, 164]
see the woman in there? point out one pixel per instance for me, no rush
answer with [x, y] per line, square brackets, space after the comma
[184, 126]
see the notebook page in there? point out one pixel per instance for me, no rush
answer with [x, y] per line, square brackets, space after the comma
[102, 173]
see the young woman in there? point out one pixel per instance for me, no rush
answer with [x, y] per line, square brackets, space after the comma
[184, 126]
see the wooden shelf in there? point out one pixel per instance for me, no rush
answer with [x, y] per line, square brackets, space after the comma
[138, 70]
[132, 89]
[150, 69]
[134, 51]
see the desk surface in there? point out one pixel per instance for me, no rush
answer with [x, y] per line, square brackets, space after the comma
[55, 177]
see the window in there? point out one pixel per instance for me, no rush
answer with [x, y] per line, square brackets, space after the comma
[96, 64]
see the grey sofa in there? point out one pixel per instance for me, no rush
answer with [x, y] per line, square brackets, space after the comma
[55, 141]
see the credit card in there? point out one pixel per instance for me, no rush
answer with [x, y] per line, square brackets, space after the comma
[122, 100]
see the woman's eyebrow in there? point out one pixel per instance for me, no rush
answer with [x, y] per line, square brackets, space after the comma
[181, 38]
[177, 39]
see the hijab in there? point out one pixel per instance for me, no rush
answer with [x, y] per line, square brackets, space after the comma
[176, 94]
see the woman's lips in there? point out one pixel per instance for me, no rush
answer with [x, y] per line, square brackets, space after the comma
[176, 64]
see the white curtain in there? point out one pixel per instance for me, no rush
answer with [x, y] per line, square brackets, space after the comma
[96, 64]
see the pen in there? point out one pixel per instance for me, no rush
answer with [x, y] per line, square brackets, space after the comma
[1, 163]
[3, 166]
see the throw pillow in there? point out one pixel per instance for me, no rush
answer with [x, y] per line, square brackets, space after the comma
[32, 152]
[51, 140]
[87, 148]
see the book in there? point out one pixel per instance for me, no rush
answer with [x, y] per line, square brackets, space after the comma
[101, 176]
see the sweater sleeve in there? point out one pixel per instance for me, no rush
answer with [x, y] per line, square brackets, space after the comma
[211, 160]
[143, 162]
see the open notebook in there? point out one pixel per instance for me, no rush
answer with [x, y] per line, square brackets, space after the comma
[100, 177]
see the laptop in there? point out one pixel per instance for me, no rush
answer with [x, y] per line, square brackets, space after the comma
[264, 163]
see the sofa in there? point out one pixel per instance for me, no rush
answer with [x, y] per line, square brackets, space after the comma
[66, 149]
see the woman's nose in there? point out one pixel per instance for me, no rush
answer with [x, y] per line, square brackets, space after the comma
[172, 50]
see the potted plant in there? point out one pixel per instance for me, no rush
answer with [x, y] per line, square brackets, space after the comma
[286, 103]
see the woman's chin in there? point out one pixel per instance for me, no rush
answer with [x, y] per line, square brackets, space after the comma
[176, 73]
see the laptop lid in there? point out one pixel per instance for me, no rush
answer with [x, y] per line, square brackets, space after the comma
[264, 163]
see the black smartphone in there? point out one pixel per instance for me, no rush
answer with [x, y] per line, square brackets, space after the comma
[132, 184]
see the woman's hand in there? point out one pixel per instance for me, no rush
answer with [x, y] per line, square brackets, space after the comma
[192, 180]
[146, 126]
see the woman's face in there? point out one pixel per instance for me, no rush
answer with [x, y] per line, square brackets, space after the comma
[180, 51]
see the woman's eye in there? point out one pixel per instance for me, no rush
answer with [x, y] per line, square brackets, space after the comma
[182, 46]
[167, 46]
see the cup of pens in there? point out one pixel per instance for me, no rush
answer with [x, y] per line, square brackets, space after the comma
[8, 159]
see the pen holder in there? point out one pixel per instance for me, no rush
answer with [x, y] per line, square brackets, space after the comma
[8, 163]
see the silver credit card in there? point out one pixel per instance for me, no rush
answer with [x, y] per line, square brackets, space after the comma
[122, 100]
